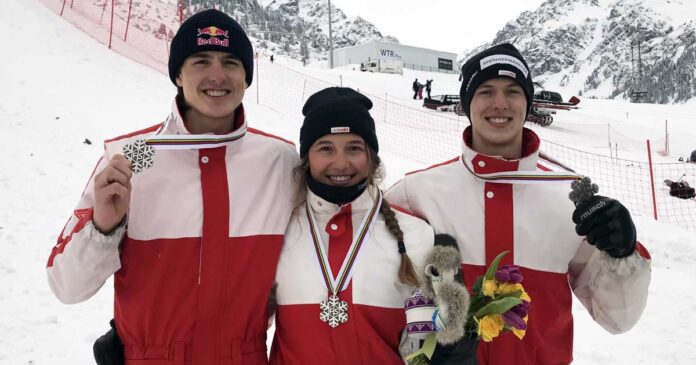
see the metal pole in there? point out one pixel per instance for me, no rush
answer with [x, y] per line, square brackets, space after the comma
[125, 35]
[63, 8]
[111, 27]
[652, 180]
[331, 63]
[666, 139]
[304, 89]
[257, 77]
[166, 41]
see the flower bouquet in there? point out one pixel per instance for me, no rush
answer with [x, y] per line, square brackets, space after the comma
[498, 303]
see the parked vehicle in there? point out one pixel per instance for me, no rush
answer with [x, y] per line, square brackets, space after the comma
[442, 102]
[545, 103]
[384, 66]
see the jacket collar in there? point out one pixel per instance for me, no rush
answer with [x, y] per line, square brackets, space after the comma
[361, 205]
[485, 164]
[173, 133]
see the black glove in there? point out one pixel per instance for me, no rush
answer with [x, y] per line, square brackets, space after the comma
[108, 349]
[462, 352]
[607, 225]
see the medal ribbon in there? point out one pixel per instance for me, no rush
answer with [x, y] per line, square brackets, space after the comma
[162, 141]
[525, 177]
[340, 282]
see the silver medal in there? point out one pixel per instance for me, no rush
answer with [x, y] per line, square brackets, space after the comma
[139, 154]
[334, 311]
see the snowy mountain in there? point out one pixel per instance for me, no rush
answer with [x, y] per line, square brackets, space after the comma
[295, 28]
[584, 47]
[292, 27]
[311, 18]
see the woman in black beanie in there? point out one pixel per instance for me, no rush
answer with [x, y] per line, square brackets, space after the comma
[343, 273]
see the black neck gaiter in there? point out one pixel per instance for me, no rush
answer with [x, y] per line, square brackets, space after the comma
[336, 194]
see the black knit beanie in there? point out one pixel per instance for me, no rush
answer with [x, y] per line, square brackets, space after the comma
[337, 110]
[210, 30]
[503, 60]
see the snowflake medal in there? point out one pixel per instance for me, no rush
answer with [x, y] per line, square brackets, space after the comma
[334, 311]
[139, 154]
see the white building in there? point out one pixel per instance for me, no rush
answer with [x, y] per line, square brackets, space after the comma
[413, 57]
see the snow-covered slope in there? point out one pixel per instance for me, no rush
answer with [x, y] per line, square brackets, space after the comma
[583, 47]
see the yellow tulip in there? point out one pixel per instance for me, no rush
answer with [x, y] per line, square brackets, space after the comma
[489, 327]
[489, 288]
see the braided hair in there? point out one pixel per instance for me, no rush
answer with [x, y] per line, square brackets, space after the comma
[407, 274]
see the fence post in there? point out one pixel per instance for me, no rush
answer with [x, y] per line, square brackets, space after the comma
[125, 35]
[63, 7]
[385, 107]
[111, 26]
[666, 139]
[304, 88]
[341, 80]
[103, 11]
[652, 180]
[166, 41]
[257, 77]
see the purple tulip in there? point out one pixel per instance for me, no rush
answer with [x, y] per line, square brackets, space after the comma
[513, 319]
[509, 274]
[521, 309]
[514, 316]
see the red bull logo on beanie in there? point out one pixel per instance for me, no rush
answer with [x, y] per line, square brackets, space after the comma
[214, 35]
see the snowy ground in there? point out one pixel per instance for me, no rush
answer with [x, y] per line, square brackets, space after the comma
[61, 87]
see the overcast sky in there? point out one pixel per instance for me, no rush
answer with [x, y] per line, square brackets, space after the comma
[444, 25]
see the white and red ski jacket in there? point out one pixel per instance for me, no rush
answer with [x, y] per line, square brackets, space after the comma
[375, 296]
[533, 222]
[195, 263]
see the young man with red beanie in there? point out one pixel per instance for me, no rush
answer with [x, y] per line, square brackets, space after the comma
[188, 215]
[501, 194]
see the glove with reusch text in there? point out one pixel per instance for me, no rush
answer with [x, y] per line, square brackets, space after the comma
[607, 225]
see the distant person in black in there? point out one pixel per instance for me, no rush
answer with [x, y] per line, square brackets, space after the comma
[415, 88]
[428, 87]
[271, 58]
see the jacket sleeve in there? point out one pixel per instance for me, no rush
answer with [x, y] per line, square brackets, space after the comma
[397, 194]
[83, 257]
[614, 291]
